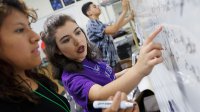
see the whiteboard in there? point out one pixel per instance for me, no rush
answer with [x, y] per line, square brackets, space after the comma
[176, 81]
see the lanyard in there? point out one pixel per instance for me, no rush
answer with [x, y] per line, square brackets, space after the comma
[42, 95]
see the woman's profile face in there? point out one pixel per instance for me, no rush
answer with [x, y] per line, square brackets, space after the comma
[18, 43]
[71, 41]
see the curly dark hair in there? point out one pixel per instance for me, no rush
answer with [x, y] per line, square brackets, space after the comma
[60, 62]
[11, 89]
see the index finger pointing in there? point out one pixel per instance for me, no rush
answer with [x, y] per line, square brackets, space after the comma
[153, 35]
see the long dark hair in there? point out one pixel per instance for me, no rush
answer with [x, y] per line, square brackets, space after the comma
[11, 89]
[60, 62]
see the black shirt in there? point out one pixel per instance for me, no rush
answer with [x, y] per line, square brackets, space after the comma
[43, 105]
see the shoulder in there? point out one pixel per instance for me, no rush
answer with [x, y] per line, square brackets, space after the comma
[75, 78]
[92, 23]
[69, 75]
[47, 83]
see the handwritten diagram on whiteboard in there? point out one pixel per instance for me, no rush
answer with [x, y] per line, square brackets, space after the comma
[177, 80]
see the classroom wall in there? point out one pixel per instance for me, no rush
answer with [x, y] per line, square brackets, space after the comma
[44, 10]
[43, 7]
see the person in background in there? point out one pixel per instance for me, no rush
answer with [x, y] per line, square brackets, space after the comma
[84, 75]
[100, 34]
[22, 88]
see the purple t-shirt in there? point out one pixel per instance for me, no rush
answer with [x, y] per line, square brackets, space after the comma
[79, 84]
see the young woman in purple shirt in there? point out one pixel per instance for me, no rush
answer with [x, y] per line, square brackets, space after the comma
[82, 72]
[22, 88]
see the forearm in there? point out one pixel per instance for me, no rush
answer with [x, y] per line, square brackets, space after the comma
[126, 20]
[119, 24]
[119, 74]
[149, 56]
[126, 83]
[121, 21]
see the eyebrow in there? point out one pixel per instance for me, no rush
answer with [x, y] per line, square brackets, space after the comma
[68, 35]
[22, 24]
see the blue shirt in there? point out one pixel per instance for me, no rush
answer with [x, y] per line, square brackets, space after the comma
[79, 84]
[96, 34]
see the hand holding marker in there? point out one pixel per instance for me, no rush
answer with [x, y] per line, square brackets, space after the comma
[107, 104]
